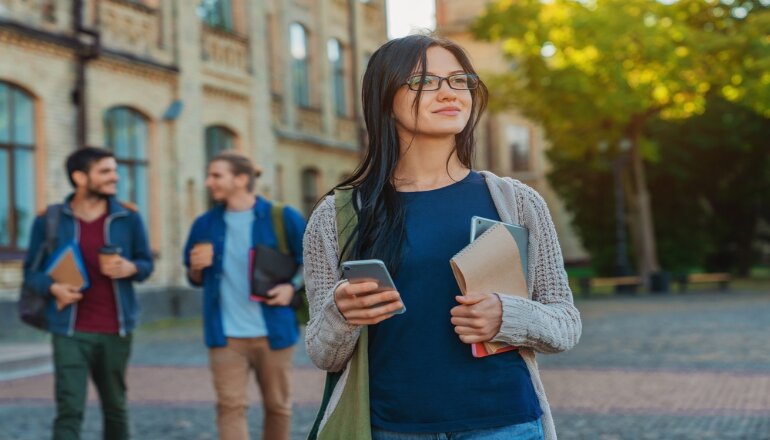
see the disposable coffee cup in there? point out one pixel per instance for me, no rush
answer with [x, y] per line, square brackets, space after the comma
[107, 255]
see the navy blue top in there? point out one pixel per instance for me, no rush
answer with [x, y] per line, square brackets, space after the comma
[422, 377]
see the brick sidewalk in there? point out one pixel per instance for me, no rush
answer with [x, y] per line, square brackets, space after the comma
[569, 390]
[668, 367]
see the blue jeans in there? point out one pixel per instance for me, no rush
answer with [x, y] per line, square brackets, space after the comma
[523, 431]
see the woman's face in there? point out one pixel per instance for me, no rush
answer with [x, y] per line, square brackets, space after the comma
[442, 113]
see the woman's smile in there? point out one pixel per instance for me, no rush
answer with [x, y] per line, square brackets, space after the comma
[448, 111]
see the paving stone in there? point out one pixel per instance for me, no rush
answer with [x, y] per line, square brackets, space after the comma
[670, 367]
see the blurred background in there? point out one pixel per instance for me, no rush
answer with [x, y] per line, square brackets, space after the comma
[644, 124]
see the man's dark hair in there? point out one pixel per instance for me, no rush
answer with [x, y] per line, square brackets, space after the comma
[83, 159]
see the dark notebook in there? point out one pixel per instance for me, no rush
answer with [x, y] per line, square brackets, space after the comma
[269, 269]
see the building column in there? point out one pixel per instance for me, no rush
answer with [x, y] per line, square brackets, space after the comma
[328, 114]
[263, 147]
[188, 159]
[284, 42]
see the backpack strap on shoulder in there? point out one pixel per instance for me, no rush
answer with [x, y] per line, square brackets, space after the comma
[276, 213]
[347, 218]
[52, 216]
[350, 417]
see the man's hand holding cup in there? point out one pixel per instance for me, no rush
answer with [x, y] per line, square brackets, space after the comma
[113, 265]
[201, 256]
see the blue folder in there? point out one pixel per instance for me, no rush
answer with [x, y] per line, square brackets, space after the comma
[58, 257]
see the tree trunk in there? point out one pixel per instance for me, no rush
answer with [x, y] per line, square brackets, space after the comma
[632, 215]
[646, 252]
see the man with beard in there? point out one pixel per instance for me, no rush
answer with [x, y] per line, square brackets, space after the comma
[91, 329]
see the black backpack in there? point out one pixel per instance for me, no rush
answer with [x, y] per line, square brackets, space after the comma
[31, 305]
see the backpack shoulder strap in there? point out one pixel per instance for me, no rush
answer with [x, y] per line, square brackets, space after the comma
[51, 218]
[276, 213]
[347, 218]
[52, 215]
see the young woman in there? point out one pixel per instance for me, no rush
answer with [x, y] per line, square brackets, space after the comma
[415, 193]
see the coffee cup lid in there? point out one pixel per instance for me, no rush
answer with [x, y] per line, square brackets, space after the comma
[110, 249]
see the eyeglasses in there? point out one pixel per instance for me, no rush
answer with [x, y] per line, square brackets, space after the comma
[460, 81]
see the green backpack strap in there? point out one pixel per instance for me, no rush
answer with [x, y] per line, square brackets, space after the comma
[350, 419]
[276, 212]
[299, 302]
[347, 219]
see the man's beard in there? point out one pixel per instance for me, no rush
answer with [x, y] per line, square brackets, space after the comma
[94, 193]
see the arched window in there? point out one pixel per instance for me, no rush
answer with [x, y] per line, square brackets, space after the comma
[17, 166]
[217, 14]
[298, 42]
[310, 184]
[126, 135]
[218, 139]
[337, 61]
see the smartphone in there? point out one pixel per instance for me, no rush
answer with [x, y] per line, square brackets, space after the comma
[361, 271]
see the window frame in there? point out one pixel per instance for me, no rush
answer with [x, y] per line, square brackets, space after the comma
[300, 86]
[518, 165]
[338, 77]
[15, 249]
[225, 10]
[309, 200]
[218, 128]
[131, 163]
[209, 155]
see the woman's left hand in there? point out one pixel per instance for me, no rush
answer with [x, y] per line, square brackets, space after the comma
[478, 317]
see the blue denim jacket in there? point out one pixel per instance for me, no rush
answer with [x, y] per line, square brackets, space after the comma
[123, 227]
[282, 327]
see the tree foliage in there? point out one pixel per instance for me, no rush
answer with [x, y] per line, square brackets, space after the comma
[595, 72]
[712, 187]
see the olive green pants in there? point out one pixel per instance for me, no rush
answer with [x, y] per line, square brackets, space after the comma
[104, 357]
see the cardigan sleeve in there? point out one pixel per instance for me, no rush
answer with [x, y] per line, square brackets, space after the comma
[329, 339]
[549, 322]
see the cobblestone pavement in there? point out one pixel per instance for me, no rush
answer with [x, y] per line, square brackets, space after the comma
[693, 366]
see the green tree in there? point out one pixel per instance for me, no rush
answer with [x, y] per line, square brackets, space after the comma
[594, 73]
[712, 187]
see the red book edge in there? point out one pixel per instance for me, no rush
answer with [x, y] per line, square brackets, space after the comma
[479, 351]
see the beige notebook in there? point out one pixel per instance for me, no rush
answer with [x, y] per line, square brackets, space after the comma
[491, 264]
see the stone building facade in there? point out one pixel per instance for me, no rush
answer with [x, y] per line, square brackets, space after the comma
[509, 143]
[166, 84]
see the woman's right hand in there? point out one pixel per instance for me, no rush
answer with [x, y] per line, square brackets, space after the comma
[356, 302]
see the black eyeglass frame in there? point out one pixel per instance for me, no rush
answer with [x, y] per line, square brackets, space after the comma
[441, 80]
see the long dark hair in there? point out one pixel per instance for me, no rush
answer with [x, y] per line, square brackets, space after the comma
[380, 229]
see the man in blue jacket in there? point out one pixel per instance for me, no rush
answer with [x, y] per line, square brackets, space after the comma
[92, 328]
[245, 335]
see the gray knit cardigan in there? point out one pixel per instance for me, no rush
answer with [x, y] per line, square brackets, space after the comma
[548, 323]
